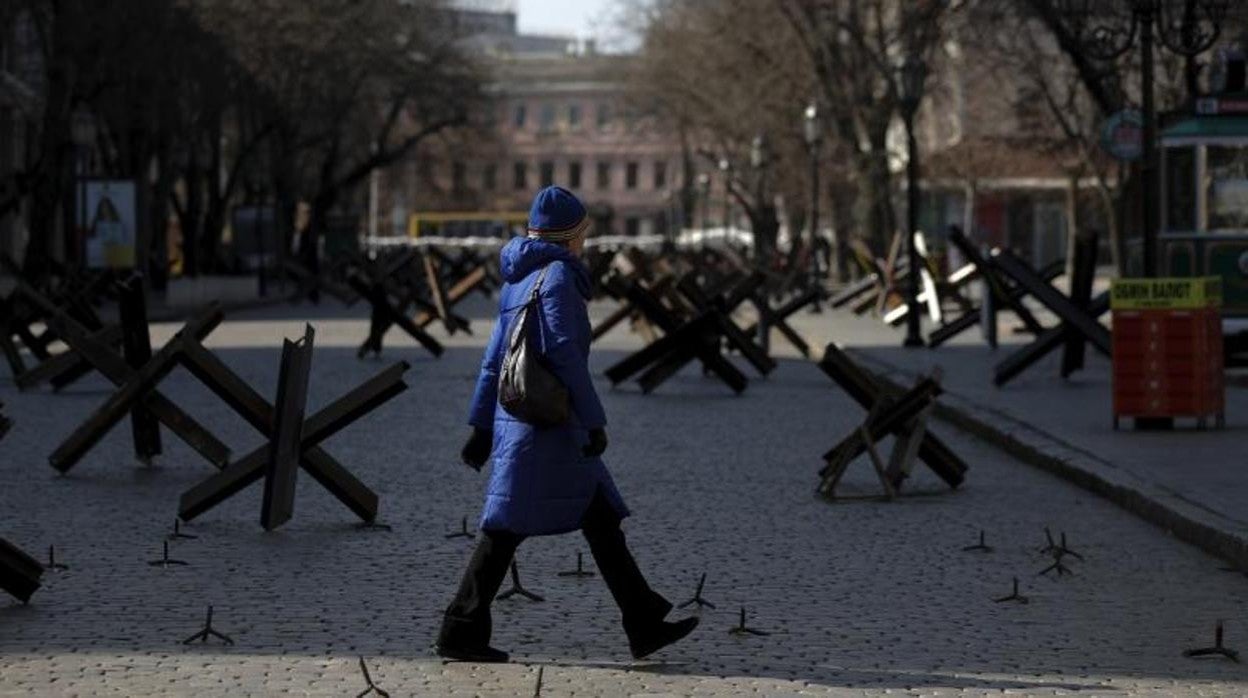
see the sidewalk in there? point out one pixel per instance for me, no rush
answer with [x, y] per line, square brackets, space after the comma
[1191, 483]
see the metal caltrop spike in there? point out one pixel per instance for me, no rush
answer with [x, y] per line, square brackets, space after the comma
[1218, 649]
[53, 565]
[463, 531]
[368, 678]
[579, 572]
[697, 596]
[208, 632]
[1057, 566]
[1050, 545]
[1066, 549]
[165, 560]
[741, 628]
[518, 589]
[1014, 596]
[980, 546]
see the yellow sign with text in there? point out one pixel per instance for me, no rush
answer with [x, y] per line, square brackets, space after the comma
[1166, 294]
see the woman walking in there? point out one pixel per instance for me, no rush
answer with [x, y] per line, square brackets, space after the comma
[548, 480]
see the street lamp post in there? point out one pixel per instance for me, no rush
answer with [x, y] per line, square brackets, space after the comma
[704, 188]
[814, 135]
[1105, 33]
[725, 166]
[912, 74]
[758, 161]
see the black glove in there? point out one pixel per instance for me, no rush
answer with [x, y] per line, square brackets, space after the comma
[477, 451]
[597, 443]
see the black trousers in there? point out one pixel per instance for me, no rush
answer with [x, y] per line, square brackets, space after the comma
[467, 620]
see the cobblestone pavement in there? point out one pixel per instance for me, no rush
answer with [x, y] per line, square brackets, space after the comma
[1193, 474]
[860, 598]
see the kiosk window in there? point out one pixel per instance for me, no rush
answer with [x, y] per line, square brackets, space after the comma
[1227, 187]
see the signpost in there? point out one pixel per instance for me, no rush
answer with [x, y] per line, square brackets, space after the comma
[1122, 135]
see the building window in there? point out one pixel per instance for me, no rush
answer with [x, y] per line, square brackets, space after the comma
[632, 226]
[604, 175]
[574, 115]
[457, 177]
[1227, 166]
[489, 177]
[546, 121]
[547, 173]
[660, 175]
[604, 116]
[521, 176]
[630, 176]
[574, 175]
[521, 116]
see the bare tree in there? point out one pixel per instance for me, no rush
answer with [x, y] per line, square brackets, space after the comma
[736, 68]
[856, 48]
[190, 98]
[728, 73]
[350, 87]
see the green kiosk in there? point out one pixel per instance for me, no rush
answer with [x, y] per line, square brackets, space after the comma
[1204, 230]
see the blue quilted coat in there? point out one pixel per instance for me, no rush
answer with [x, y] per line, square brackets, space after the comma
[541, 484]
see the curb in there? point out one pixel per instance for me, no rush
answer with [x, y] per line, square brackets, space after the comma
[1186, 520]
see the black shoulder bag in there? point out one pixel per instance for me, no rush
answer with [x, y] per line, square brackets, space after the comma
[527, 389]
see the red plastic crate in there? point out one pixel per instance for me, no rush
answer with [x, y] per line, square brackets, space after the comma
[1168, 363]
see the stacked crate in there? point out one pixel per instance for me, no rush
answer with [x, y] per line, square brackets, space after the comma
[1167, 343]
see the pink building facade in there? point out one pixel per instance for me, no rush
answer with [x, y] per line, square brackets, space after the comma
[558, 114]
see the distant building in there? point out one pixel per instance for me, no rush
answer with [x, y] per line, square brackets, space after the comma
[496, 32]
[559, 115]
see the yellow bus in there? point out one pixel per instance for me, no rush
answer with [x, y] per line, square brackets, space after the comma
[466, 223]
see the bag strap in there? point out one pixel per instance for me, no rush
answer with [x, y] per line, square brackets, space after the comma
[518, 333]
[537, 287]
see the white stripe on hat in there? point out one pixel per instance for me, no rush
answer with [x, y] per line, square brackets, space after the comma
[564, 235]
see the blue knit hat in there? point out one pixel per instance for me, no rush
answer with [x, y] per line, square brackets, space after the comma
[557, 215]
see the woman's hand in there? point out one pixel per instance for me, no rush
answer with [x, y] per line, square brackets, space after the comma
[477, 451]
[597, 443]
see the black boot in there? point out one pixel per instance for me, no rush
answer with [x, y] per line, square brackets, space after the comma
[479, 655]
[659, 635]
[466, 625]
[642, 609]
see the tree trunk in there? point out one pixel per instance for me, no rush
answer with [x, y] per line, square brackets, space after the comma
[688, 195]
[52, 212]
[879, 216]
[215, 200]
[1072, 224]
[842, 199]
[766, 226]
[285, 197]
[798, 219]
[309, 242]
[144, 223]
[162, 190]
